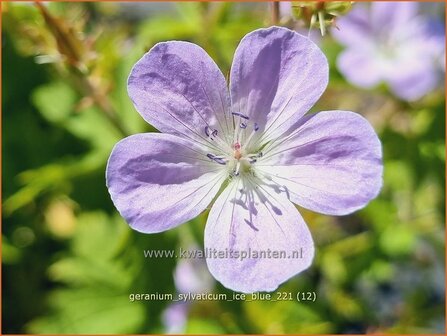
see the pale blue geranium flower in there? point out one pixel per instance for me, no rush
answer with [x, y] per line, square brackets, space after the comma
[190, 276]
[250, 148]
[175, 318]
[391, 42]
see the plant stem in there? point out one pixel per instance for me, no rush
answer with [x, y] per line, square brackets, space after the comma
[275, 13]
[106, 106]
[71, 47]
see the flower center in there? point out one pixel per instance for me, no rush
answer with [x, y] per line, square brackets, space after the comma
[241, 157]
[237, 151]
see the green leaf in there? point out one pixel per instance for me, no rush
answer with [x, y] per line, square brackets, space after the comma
[91, 311]
[202, 326]
[398, 239]
[10, 253]
[57, 103]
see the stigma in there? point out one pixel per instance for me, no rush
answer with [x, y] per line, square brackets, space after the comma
[237, 151]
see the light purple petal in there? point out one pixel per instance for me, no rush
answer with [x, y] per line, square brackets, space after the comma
[276, 77]
[389, 15]
[417, 68]
[353, 29]
[192, 275]
[332, 164]
[360, 67]
[435, 31]
[175, 317]
[179, 89]
[159, 181]
[245, 219]
[411, 79]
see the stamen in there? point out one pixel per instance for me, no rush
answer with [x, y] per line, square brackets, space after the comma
[220, 161]
[252, 158]
[255, 129]
[212, 134]
[236, 135]
[217, 159]
[240, 140]
[236, 170]
[240, 115]
[219, 141]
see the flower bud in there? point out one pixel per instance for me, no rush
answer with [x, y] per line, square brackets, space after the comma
[320, 13]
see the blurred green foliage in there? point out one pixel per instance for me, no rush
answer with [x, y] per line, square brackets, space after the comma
[70, 262]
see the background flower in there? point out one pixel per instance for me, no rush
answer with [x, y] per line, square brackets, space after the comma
[393, 43]
[190, 276]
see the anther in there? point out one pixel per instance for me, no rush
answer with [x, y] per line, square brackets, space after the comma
[255, 156]
[217, 159]
[240, 115]
[212, 135]
[243, 125]
[220, 161]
